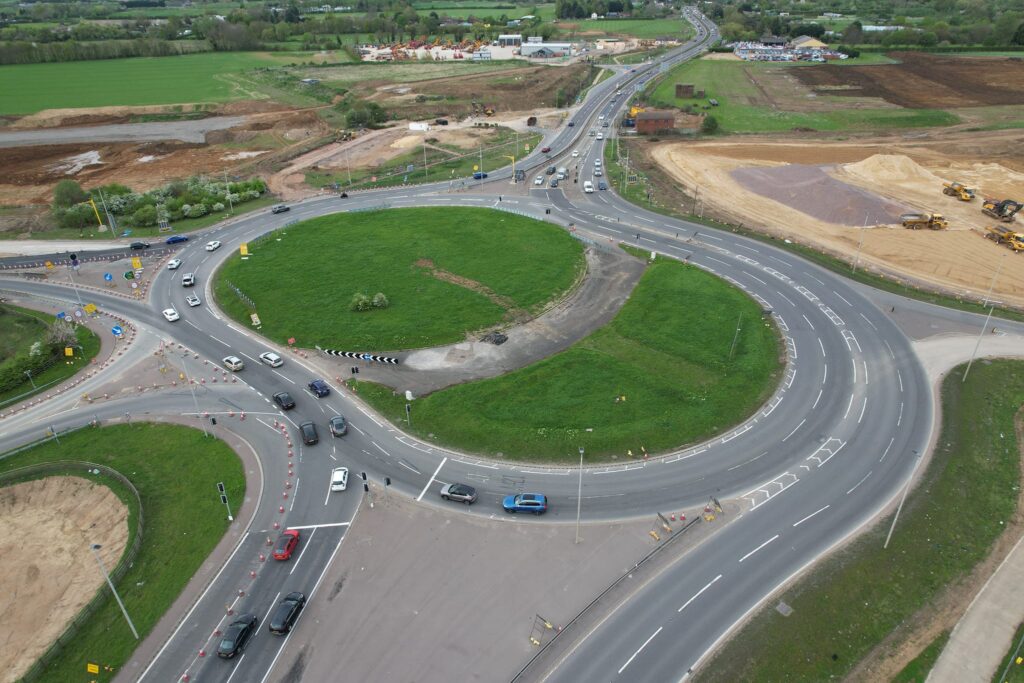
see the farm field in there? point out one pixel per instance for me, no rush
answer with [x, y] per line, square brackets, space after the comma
[206, 77]
[636, 28]
[482, 10]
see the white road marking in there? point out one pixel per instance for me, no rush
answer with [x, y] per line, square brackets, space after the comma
[381, 449]
[899, 376]
[238, 664]
[218, 340]
[305, 545]
[850, 405]
[887, 449]
[865, 363]
[295, 495]
[646, 643]
[811, 515]
[273, 603]
[697, 594]
[820, 343]
[853, 362]
[858, 483]
[820, 391]
[759, 547]
[899, 420]
[825, 375]
[844, 300]
[432, 477]
[248, 356]
[317, 526]
[282, 376]
[801, 423]
[862, 409]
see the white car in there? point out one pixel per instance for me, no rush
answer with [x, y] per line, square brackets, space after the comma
[171, 314]
[575, 153]
[597, 162]
[233, 363]
[213, 245]
[600, 136]
[174, 264]
[539, 180]
[271, 359]
[588, 186]
[192, 300]
[339, 479]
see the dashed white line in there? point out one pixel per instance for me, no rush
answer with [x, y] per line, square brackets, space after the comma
[853, 362]
[808, 321]
[887, 449]
[305, 546]
[848, 406]
[646, 643]
[899, 419]
[821, 344]
[842, 297]
[697, 594]
[899, 376]
[862, 409]
[824, 375]
[811, 515]
[218, 340]
[380, 449]
[820, 391]
[801, 423]
[294, 495]
[282, 376]
[859, 483]
[759, 547]
[865, 363]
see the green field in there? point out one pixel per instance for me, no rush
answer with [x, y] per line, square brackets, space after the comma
[18, 331]
[206, 77]
[638, 28]
[859, 595]
[176, 476]
[482, 10]
[741, 109]
[659, 376]
[523, 262]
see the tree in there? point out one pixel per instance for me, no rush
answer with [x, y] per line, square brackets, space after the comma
[1018, 36]
[145, 216]
[68, 193]
[853, 34]
[60, 334]
[709, 125]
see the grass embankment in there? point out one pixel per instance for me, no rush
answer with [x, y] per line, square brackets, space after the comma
[679, 29]
[175, 470]
[1010, 671]
[949, 522]
[917, 670]
[445, 271]
[22, 327]
[443, 162]
[734, 83]
[660, 375]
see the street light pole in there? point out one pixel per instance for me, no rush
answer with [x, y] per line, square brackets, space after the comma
[978, 345]
[195, 401]
[579, 497]
[95, 547]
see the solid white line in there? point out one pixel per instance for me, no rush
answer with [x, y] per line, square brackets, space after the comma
[858, 483]
[317, 526]
[305, 546]
[294, 496]
[432, 477]
[801, 423]
[282, 376]
[646, 642]
[697, 594]
[808, 321]
[820, 391]
[811, 515]
[759, 547]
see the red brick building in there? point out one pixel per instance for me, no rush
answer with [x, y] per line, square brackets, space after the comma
[654, 121]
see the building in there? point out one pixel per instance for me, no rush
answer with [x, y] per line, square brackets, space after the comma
[541, 49]
[773, 41]
[510, 40]
[807, 43]
[654, 121]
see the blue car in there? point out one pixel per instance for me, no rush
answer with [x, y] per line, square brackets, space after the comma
[537, 503]
[175, 239]
[479, 175]
[319, 388]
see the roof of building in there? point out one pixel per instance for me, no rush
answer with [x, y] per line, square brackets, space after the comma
[807, 41]
[655, 115]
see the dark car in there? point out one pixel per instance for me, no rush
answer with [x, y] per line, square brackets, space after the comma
[461, 492]
[536, 503]
[571, 124]
[285, 400]
[280, 208]
[319, 388]
[339, 426]
[309, 435]
[286, 544]
[479, 175]
[545, 150]
[520, 175]
[602, 185]
[554, 182]
[175, 239]
[140, 245]
[286, 613]
[551, 170]
[237, 635]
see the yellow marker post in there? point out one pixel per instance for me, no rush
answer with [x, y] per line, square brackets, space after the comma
[243, 249]
[68, 351]
[92, 668]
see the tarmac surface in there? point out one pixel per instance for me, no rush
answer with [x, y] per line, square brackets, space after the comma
[186, 131]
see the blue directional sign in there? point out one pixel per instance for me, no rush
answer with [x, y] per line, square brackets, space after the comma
[116, 329]
[108, 277]
[61, 315]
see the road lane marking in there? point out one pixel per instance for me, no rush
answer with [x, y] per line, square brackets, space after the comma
[887, 449]
[381, 449]
[295, 495]
[646, 643]
[862, 409]
[820, 391]
[850, 405]
[238, 664]
[859, 483]
[272, 604]
[305, 546]
[218, 340]
[811, 515]
[282, 376]
[820, 343]
[899, 376]
[697, 594]
[759, 547]
[844, 300]
[248, 356]
[432, 477]
[317, 526]
[801, 423]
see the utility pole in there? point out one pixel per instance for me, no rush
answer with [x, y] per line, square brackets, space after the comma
[860, 243]
[978, 345]
[227, 193]
[424, 157]
[195, 401]
[579, 497]
[993, 284]
[95, 547]
[736, 336]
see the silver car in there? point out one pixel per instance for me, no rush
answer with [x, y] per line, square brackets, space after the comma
[462, 493]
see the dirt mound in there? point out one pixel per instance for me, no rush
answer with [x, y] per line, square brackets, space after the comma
[887, 168]
[48, 571]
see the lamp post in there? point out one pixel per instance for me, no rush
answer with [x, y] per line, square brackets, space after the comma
[509, 156]
[195, 401]
[95, 547]
[579, 497]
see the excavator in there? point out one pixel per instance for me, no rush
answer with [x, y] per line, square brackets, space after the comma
[1002, 235]
[1005, 210]
[958, 190]
[916, 221]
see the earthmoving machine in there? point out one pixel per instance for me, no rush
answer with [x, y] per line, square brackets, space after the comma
[958, 190]
[634, 110]
[1005, 210]
[916, 221]
[1003, 235]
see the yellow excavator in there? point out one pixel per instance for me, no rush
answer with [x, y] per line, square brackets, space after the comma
[1003, 235]
[916, 221]
[1005, 210]
[958, 190]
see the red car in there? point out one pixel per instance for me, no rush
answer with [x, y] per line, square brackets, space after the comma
[545, 150]
[286, 544]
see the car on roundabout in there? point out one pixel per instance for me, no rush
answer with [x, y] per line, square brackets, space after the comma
[462, 493]
[284, 400]
[233, 363]
[319, 388]
[272, 359]
[309, 435]
[213, 245]
[237, 635]
[171, 315]
[176, 239]
[188, 280]
[479, 175]
[539, 180]
[286, 544]
[174, 264]
[286, 613]
[537, 503]
[139, 245]
[338, 425]
[339, 479]
[192, 300]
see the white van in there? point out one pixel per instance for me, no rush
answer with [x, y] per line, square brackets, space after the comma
[563, 173]
[588, 186]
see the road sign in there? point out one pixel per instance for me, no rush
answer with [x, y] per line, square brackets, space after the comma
[90, 308]
[255, 319]
[91, 668]
[49, 265]
[61, 315]
[116, 329]
[129, 275]
[78, 313]
[136, 263]
[243, 248]
[68, 351]
[108, 277]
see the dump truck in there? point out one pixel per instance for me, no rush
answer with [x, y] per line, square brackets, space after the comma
[958, 190]
[1005, 210]
[1003, 235]
[916, 221]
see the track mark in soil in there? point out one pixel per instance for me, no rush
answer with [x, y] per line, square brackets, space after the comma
[512, 312]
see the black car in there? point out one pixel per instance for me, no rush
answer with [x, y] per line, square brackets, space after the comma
[280, 208]
[339, 427]
[285, 400]
[286, 613]
[309, 435]
[319, 388]
[571, 124]
[237, 635]
[140, 245]
[551, 170]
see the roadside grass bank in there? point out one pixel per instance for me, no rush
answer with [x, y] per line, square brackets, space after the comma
[857, 596]
[445, 272]
[665, 195]
[21, 327]
[662, 374]
[176, 476]
[1010, 671]
[918, 669]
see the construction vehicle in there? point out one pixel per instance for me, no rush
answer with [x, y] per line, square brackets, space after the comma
[634, 110]
[1003, 235]
[958, 190]
[1005, 210]
[916, 221]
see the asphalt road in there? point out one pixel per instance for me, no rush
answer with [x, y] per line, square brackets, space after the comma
[186, 131]
[837, 441]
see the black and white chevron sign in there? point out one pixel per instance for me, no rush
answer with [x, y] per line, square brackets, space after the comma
[360, 356]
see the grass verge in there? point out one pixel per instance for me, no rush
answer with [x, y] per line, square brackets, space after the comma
[176, 474]
[1010, 671]
[857, 596]
[917, 670]
[89, 346]
[660, 375]
[445, 272]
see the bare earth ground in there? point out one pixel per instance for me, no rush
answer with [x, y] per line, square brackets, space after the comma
[48, 572]
[822, 191]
